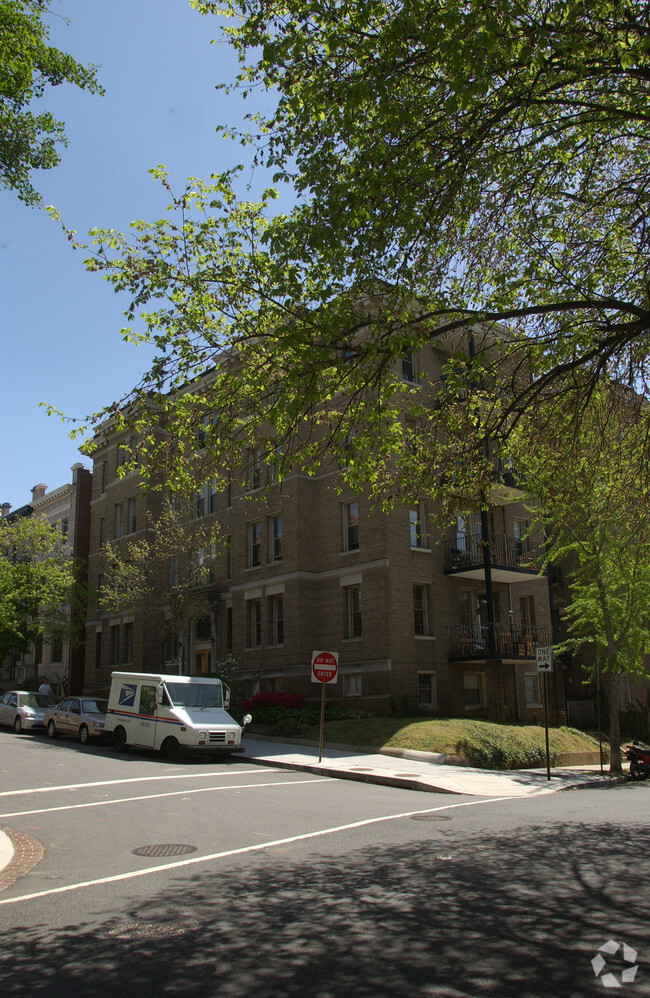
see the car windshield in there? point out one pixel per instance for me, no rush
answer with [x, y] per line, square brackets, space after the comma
[94, 706]
[195, 694]
[35, 700]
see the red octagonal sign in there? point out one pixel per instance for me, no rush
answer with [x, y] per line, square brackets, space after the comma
[324, 666]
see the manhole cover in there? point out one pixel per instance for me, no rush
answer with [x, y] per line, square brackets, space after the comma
[142, 928]
[164, 850]
[429, 817]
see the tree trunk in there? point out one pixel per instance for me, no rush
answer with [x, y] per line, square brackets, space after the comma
[614, 726]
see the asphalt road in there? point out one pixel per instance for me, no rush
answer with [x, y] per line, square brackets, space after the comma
[287, 884]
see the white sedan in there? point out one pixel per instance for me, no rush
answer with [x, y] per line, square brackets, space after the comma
[82, 717]
[22, 710]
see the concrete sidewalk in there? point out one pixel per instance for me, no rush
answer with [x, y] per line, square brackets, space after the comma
[412, 770]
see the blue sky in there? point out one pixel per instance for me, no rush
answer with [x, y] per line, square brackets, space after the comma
[60, 325]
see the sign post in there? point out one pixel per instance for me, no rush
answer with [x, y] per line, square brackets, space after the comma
[324, 670]
[544, 657]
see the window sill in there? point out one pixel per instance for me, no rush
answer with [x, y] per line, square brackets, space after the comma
[347, 640]
[424, 637]
[420, 547]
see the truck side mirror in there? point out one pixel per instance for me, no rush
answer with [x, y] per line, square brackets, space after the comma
[226, 697]
[247, 720]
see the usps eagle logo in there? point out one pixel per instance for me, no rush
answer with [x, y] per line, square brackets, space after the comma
[127, 696]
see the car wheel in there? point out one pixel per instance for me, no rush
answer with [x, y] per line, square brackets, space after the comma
[51, 729]
[84, 734]
[172, 750]
[119, 740]
[18, 725]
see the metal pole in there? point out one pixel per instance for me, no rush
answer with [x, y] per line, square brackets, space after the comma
[322, 721]
[548, 754]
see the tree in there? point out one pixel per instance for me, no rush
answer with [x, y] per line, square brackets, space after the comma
[589, 484]
[169, 572]
[28, 139]
[37, 582]
[476, 166]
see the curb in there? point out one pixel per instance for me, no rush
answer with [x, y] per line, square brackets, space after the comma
[379, 779]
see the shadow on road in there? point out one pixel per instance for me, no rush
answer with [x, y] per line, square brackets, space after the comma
[451, 915]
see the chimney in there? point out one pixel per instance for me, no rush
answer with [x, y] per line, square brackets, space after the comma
[6, 506]
[39, 491]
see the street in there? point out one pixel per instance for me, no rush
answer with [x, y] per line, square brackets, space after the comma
[256, 881]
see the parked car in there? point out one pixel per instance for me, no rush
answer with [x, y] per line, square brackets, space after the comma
[83, 717]
[22, 710]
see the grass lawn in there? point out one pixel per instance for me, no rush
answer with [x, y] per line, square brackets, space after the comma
[483, 743]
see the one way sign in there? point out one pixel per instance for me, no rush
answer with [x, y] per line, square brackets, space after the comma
[544, 656]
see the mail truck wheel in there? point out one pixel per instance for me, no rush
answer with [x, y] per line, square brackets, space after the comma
[119, 740]
[172, 750]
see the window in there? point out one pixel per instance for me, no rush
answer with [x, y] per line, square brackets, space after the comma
[427, 690]
[275, 538]
[421, 610]
[229, 557]
[474, 686]
[275, 466]
[119, 521]
[127, 642]
[351, 526]
[276, 619]
[114, 647]
[255, 470]
[416, 526]
[147, 703]
[98, 650]
[206, 498]
[352, 685]
[104, 475]
[202, 629]
[409, 367]
[532, 692]
[352, 611]
[229, 631]
[527, 610]
[253, 623]
[171, 645]
[56, 651]
[132, 516]
[254, 544]
[173, 572]
[126, 453]
[102, 532]
[64, 527]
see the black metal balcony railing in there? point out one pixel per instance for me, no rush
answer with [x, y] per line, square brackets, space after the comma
[516, 641]
[465, 552]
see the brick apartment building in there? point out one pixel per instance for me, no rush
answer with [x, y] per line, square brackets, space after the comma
[422, 622]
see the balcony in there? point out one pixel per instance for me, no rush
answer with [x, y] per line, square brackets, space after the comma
[511, 559]
[512, 643]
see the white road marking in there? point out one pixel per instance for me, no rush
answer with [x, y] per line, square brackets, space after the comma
[242, 850]
[171, 793]
[131, 779]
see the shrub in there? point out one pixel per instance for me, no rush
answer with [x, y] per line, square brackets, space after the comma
[287, 701]
[500, 749]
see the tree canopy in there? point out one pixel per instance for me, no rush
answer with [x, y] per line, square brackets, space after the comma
[457, 165]
[588, 482]
[28, 65]
[37, 576]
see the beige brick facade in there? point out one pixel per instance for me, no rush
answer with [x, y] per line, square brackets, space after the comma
[382, 590]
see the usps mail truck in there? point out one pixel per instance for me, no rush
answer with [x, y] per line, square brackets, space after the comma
[175, 714]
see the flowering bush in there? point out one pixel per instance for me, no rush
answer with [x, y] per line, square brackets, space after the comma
[288, 701]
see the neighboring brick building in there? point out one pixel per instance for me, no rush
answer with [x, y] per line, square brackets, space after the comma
[60, 657]
[421, 622]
